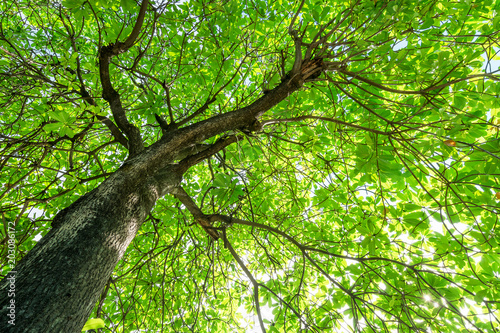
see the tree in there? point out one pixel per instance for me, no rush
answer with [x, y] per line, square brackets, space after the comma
[226, 165]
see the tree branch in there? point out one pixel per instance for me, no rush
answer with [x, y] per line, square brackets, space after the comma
[251, 278]
[233, 220]
[415, 92]
[115, 131]
[198, 215]
[197, 112]
[332, 120]
[137, 27]
[164, 151]
[290, 27]
[135, 143]
[197, 157]
[169, 104]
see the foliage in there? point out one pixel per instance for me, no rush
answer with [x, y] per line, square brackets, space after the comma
[368, 202]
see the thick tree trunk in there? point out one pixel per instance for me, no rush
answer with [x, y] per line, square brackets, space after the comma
[59, 281]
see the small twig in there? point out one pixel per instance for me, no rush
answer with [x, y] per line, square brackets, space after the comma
[332, 120]
[255, 284]
[169, 105]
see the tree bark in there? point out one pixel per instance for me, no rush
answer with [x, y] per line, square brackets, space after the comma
[59, 281]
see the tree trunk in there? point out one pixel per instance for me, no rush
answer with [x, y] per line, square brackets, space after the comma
[59, 281]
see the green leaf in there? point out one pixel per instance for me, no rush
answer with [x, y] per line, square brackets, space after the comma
[128, 5]
[93, 324]
[459, 101]
[53, 126]
[72, 3]
[59, 116]
[480, 295]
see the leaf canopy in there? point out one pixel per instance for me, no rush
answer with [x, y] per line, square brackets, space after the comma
[368, 201]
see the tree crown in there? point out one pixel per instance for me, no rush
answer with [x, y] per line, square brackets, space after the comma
[366, 199]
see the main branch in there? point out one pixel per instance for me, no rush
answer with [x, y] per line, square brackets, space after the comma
[106, 53]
